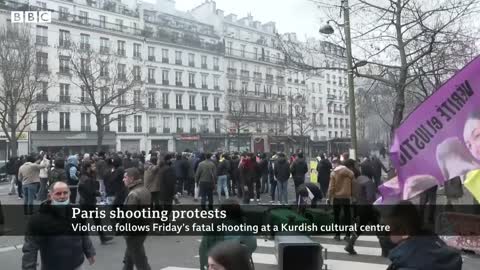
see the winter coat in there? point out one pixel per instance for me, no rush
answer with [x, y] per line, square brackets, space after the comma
[341, 180]
[114, 182]
[263, 167]
[138, 198]
[298, 169]
[281, 170]
[181, 168]
[364, 190]
[88, 189]
[57, 175]
[424, 253]
[324, 168]
[151, 179]
[167, 180]
[30, 173]
[101, 169]
[44, 172]
[223, 167]
[247, 171]
[206, 172]
[72, 171]
[234, 170]
[11, 166]
[50, 232]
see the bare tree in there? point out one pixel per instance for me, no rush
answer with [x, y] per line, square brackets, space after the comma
[24, 80]
[110, 89]
[238, 116]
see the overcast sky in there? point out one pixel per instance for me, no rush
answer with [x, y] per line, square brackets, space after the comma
[299, 16]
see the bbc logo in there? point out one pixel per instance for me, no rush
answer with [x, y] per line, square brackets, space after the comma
[31, 16]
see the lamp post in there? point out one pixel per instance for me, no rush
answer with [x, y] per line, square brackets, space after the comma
[328, 30]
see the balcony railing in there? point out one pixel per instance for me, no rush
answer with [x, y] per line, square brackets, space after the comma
[192, 107]
[151, 80]
[178, 62]
[179, 107]
[231, 71]
[205, 108]
[166, 106]
[121, 52]
[164, 60]
[192, 85]
[193, 130]
[269, 77]
[41, 40]
[204, 66]
[104, 50]
[257, 76]
[217, 109]
[166, 130]
[204, 86]
[216, 68]
[152, 130]
[329, 96]
[64, 44]
[151, 58]
[86, 128]
[165, 82]
[42, 97]
[122, 129]
[191, 64]
[216, 87]
[64, 99]
[42, 68]
[137, 129]
[178, 83]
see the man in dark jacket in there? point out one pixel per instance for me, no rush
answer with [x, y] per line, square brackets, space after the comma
[50, 232]
[167, 180]
[114, 188]
[73, 175]
[309, 195]
[281, 171]
[298, 169]
[263, 168]
[205, 177]
[235, 175]
[138, 198]
[324, 168]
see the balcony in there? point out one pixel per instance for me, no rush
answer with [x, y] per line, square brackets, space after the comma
[205, 108]
[204, 130]
[192, 107]
[204, 66]
[280, 80]
[64, 99]
[104, 50]
[193, 130]
[179, 107]
[257, 76]
[165, 106]
[165, 82]
[192, 85]
[85, 100]
[164, 60]
[217, 131]
[216, 87]
[151, 58]
[41, 40]
[151, 80]
[152, 130]
[191, 64]
[64, 44]
[42, 97]
[178, 62]
[64, 71]
[84, 46]
[216, 68]
[166, 130]
[42, 68]
[152, 105]
[178, 83]
[179, 130]
[204, 86]
[137, 129]
[244, 74]
[217, 109]
[121, 52]
[122, 128]
[269, 77]
[329, 96]
[86, 128]
[231, 72]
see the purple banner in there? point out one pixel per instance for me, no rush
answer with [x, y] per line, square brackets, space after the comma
[440, 139]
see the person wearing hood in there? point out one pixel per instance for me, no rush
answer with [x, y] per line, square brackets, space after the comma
[298, 169]
[235, 175]
[340, 194]
[282, 174]
[58, 172]
[73, 174]
[416, 248]
[29, 174]
[324, 168]
[50, 233]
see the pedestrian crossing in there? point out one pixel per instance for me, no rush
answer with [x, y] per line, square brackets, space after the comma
[367, 258]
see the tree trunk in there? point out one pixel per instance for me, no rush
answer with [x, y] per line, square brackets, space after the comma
[100, 135]
[13, 146]
[238, 139]
[397, 112]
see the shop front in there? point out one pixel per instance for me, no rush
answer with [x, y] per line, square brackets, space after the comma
[240, 144]
[67, 143]
[187, 143]
[213, 143]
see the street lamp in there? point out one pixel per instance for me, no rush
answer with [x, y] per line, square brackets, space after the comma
[328, 30]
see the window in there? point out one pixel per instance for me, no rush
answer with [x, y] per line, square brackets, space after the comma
[217, 123]
[137, 97]
[215, 83]
[191, 80]
[151, 100]
[204, 81]
[341, 122]
[137, 123]
[42, 35]
[178, 78]
[84, 42]
[204, 126]
[166, 124]
[105, 122]
[102, 20]
[314, 118]
[179, 101]
[151, 53]
[137, 76]
[165, 77]
[122, 123]
[191, 60]
[193, 125]
[255, 52]
[244, 88]
[336, 134]
[64, 121]
[104, 45]
[136, 50]
[216, 103]
[191, 102]
[119, 23]
[204, 61]
[257, 89]
[178, 57]
[64, 64]
[229, 47]
[64, 39]
[179, 124]
[85, 122]
[121, 71]
[165, 102]
[329, 122]
[231, 85]
[63, 13]
[215, 64]
[257, 107]
[205, 103]
[335, 123]
[152, 124]
[165, 56]
[121, 48]
[103, 95]
[42, 121]
[85, 96]
[121, 97]
[330, 134]
[151, 75]
[104, 69]
[83, 16]
[242, 50]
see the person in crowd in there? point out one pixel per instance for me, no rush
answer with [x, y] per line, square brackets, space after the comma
[298, 169]
[151, 180]
[50, 232]
[102, 173]
[181, 172]
[88, 189]
[246, 173]
[227, 158]
[282, 174]
[167, 180]
[364, 195]
[58, 173]
[324, 168]
[234, 216]
[230, 256]
[416, 248]
[308, 195]
[340, 193]
[73, 174]
[271, 177]
[205, 177]
[222, 171]
[255, 186]
[114, 188]
[12, 175]
[43, 190]
[19, 164]
[235, 175]
[263, 167]
[190, 182]
[138, 198]
[377, 170]
[29, 174]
